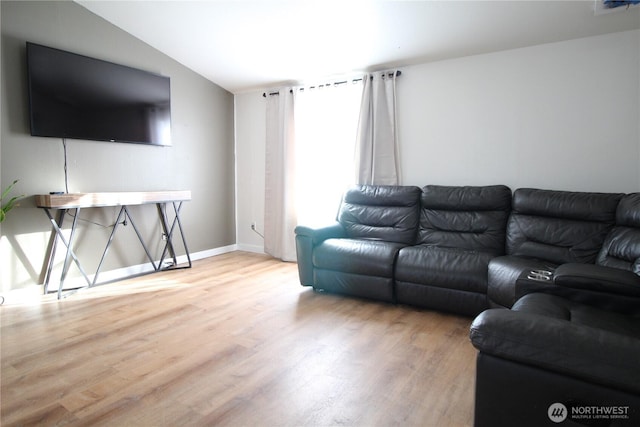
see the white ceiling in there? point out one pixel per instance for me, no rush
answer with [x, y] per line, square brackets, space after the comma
[245, 45]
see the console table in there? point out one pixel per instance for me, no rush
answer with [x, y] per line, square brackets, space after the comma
[62, 203]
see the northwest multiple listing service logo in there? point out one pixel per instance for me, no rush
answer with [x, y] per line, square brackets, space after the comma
[559, 412]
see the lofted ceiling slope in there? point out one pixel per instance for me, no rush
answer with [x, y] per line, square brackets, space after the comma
[244, 45]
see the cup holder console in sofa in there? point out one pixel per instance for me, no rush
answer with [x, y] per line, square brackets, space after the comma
[546, 229]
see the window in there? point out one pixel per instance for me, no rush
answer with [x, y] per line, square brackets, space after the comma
[326, 122]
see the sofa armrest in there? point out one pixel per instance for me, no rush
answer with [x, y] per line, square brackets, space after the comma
[598, 278]
[318, 234]
[306, 239]
[598, 286]
[559, 345]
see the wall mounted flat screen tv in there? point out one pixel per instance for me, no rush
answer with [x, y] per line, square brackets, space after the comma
[75, 96]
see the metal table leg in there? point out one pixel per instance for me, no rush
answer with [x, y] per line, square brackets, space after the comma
[70, 254]
[123, 212]
[53, 245]
[168, 231]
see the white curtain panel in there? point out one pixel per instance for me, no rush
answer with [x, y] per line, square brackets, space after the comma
[280, 170]
[377, 155]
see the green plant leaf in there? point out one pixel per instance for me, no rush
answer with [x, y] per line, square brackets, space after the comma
[10, 204]
[6, 191]
[6, 207]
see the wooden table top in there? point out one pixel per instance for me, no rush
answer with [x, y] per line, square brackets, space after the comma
[87, 200]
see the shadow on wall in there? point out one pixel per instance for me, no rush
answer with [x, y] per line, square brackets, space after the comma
[14, 69]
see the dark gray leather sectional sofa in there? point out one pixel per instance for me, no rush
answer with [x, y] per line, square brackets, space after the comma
[552, 276]
[462, 249]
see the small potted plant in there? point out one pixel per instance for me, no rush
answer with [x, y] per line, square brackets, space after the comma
[7, 206]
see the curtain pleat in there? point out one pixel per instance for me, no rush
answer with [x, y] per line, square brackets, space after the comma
[280, 170]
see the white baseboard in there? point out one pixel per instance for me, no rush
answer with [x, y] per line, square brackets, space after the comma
[208, 253]
[257, 249]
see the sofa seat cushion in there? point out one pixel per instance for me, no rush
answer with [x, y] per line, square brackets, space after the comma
[451, 268]
[359, 285]
[555, 307]
[563, 336]
[357, 256]
[503, 273]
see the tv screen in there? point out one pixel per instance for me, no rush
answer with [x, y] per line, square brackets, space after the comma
[74, 96]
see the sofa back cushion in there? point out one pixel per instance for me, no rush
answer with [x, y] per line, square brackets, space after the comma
[470, 218]
[560, 226]
[621, 248]
[381, 212]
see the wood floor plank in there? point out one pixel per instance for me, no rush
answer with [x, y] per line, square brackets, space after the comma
[235, 340]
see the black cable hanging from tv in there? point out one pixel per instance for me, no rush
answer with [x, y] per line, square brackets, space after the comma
[66, 174]
[66, 187]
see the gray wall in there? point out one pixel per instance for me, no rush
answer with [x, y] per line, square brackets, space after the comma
[201, 158]
[560, 115]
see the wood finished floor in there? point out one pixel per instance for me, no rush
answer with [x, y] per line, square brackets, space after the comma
[234, 341]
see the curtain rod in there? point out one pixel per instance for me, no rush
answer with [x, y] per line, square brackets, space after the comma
[391, 74]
